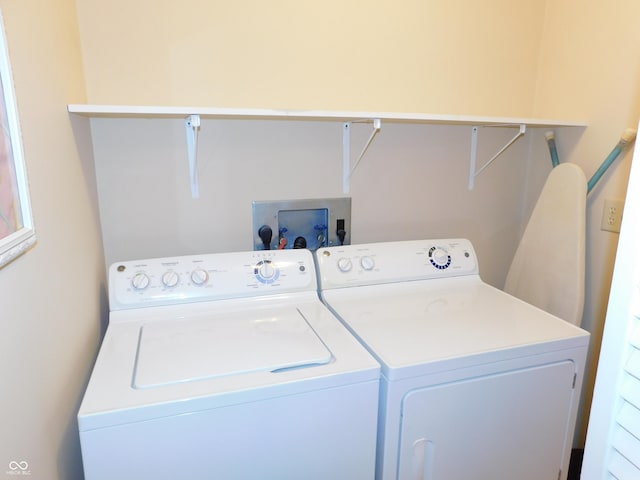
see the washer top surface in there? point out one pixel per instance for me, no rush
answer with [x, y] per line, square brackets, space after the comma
[243, 334]
[200, 348]
[431, 318]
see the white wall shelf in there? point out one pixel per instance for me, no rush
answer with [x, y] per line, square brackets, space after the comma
[196, 113]
[134, 111]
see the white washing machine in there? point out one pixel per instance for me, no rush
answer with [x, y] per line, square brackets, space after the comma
[227, 366]
[476, 384]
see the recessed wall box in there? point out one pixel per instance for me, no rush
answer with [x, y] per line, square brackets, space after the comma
[307, 223]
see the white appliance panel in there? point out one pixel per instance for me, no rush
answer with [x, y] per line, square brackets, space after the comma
[202, 278]
[392, 395]
[497, 435]
[313, 436]
[394, 262]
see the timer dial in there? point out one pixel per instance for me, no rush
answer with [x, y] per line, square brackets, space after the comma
[170, 279]
[199, 276]
[267, 270]
[344, 264]
[367, 263]
[439, 258]
[140, 281]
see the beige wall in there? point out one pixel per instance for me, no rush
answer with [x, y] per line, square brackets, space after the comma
[590, 68]
[51, 297]
[434, 56]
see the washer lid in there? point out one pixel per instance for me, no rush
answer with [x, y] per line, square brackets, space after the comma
[187, 350]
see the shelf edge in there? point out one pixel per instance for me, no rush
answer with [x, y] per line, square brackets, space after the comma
[134, 111]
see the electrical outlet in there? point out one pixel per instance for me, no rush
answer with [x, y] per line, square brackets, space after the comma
[612, 215]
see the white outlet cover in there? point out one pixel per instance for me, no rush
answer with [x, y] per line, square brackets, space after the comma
[612, 215]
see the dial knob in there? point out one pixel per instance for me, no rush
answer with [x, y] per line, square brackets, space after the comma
[439, 257]
[344, 264]
[170, 279]
[367, 263]
[140, 281]
[267, 270]
[199, 276]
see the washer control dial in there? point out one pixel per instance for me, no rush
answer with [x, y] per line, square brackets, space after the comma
[199, 276]
[140, 281]
[170, 279]
[344, 264]
[439, 258]
[266, 271]
[367, 263]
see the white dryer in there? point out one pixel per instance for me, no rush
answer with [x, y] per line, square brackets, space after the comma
[227, 366]
[476, 384]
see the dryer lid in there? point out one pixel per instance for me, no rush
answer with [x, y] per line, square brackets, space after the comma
[195, 349]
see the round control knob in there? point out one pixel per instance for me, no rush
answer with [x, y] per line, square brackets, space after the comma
[267, 270]
[367, 263]
[140, 281]
[170, 279]
[344, 264]
[439, 257]
[199, 276]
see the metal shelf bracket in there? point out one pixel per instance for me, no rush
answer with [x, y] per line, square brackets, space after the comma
[192, 125]
[347, 169]
[473, 173]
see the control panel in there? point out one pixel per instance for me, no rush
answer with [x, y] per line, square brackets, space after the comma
[198, 278]
[389, 262]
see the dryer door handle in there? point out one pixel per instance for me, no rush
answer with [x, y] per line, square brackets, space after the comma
[423, 457]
